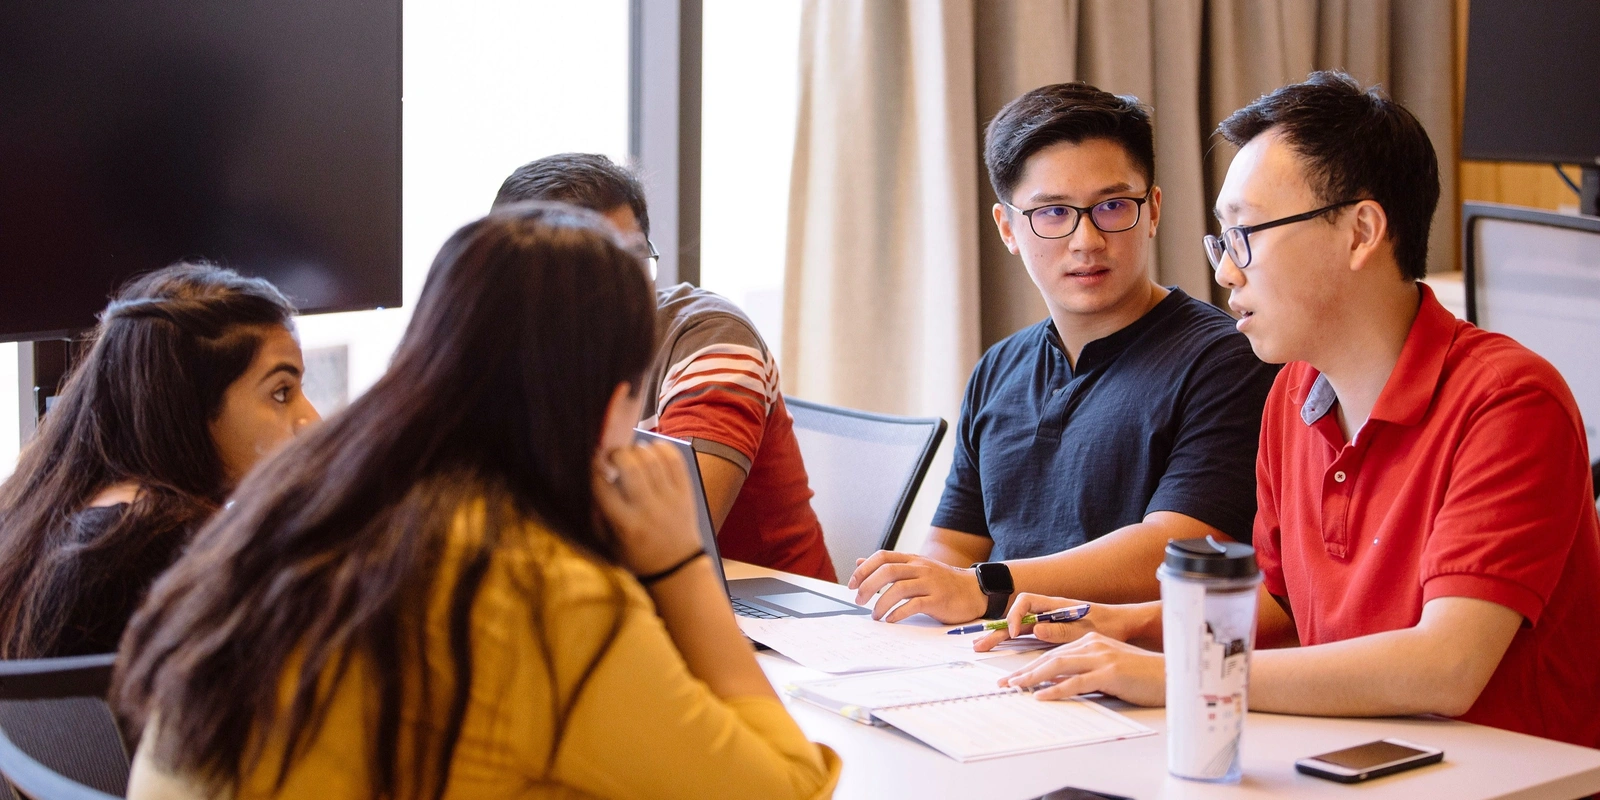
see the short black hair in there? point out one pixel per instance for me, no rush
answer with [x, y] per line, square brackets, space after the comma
[589, 180]
[1064, 112]
[1356, 144]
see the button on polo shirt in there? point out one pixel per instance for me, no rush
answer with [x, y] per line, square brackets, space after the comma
[1470, 479]
[1162, 415]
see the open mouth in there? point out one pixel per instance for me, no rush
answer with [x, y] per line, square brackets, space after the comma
[1088, 273]
[1244, 316]
[1244, 319]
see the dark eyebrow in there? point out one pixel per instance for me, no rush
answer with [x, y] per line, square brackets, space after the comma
[1061, 198]
[281, 366]
[1233, 207]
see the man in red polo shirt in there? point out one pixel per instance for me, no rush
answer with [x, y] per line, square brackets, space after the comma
[1426, 522]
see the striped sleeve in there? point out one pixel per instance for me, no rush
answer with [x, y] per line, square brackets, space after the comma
[719, 396]
[724, 367]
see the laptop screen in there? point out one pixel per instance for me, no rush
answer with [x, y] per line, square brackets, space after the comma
[708, 533]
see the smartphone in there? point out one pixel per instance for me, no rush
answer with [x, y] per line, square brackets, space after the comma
[1370, 760]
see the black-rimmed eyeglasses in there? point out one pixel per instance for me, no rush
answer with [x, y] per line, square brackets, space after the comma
[1058, 221]
[1235, 241]
[647, 253]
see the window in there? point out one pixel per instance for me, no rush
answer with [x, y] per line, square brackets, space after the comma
[10, 431]
[749, 100]
[489, 85]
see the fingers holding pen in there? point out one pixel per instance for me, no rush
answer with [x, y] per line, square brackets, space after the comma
[1025, 605]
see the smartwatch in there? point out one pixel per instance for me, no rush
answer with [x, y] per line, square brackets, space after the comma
[994, 580]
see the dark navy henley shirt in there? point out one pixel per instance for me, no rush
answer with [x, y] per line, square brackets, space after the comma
[1163, 415]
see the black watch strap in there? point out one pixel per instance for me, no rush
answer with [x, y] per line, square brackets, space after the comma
[994, 580]
[997, 606]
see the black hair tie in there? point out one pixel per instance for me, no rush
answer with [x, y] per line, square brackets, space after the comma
[657, 577]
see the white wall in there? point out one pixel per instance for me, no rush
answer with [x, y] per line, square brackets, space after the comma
[488, 85]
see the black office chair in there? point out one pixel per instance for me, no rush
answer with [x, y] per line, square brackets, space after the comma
[865, 469]
[58, 738]
[1535, 276]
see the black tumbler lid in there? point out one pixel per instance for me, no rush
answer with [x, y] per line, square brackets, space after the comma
[1209, 558]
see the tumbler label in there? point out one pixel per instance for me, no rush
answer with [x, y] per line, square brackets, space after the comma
[1207, 676]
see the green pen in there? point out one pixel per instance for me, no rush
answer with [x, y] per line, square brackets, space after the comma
[1068, 614]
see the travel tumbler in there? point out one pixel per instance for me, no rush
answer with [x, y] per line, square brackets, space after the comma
[1208, 623]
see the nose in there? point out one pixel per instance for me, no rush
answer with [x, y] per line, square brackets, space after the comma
[308, 418]
[1087, 237]
[1227, 275]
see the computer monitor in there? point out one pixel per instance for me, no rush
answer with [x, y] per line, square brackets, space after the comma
[1530, 83]
[263, 136]
[1535, 276]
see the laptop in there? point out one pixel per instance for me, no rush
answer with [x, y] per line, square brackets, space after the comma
[762, 598]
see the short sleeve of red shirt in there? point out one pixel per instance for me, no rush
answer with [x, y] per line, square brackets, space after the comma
[1503, 533]
[719, 387]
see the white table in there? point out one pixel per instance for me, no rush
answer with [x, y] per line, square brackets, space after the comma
[1480, 762]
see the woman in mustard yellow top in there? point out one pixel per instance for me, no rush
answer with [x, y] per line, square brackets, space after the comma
[470, 583]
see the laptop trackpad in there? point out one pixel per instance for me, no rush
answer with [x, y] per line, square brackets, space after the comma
[804, 603]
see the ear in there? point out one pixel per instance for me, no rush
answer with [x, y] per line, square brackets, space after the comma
[1369, 236]
[1155, 209]
[1002, 220]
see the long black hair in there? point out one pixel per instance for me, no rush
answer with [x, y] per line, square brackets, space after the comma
[135, 409]
[530, 319]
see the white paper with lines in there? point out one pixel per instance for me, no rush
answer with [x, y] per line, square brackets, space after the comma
[855, 644]
[959, 710]
[1010, 724]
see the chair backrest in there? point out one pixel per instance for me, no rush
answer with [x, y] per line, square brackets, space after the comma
[58, 738]
[865, 470]
[1535, 276]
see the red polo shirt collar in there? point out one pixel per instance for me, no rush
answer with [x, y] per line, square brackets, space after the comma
[1412, 385]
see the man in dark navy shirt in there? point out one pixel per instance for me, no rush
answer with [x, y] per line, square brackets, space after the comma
[1129, 417]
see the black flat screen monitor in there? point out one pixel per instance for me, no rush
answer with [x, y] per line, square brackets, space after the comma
[1533, 81]
[263, 135]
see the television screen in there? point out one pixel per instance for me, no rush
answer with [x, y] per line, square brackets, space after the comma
[263, 135]
[1532, 69]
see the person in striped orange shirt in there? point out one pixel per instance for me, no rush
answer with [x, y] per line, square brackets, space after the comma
[713, 382]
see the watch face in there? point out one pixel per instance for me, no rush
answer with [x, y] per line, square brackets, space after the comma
[994, 577]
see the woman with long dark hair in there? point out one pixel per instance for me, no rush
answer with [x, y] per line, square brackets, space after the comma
[471, 583]
[192, 375]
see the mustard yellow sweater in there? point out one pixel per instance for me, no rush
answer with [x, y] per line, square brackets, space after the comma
[642, 726]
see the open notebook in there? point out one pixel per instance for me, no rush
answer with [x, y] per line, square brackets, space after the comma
[959, 710]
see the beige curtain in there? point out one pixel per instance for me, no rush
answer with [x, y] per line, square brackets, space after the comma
[895, 278]
[882, 264]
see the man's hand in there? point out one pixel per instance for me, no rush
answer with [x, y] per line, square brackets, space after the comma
[948, 594]
[1096, 663]
[1122, 623]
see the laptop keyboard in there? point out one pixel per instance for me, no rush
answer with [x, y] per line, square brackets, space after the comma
[744, 609]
